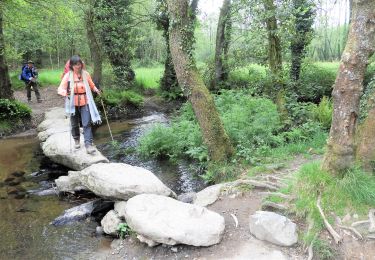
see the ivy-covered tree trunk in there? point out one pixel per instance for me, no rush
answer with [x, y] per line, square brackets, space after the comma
[94, 45]
[274, 43]
[168, 83]
[223, 34]
[181, 32]
[304, 15]
[276, 91]
[114, 27]
[5, 85]
[348, 88]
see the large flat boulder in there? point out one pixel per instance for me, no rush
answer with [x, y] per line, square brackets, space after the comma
[59, 148]
[165, 220]
[116, 181]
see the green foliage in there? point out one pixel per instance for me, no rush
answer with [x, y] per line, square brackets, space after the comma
[316, 81]
[115, 97]
[13, 110]
[148, 78]
[322, 113]
[123, 230]
[323, 250]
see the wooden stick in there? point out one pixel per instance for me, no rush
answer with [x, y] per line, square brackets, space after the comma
[330, 229]
[355, 231]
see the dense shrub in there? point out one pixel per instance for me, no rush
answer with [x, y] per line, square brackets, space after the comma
[12, 110]
[250, 123]
[316, 81]
[115, 97]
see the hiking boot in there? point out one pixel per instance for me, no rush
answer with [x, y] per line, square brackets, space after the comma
[90, 149]
[77, 144]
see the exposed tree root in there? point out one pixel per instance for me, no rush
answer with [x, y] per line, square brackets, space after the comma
[257, 184]
[330, 229]
[355, 231]
[357, 223]
[278, 194]
[274, 205]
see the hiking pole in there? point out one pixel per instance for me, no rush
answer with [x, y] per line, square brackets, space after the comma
[106, 118]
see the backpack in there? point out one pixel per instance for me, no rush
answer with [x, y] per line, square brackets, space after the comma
[20, 75]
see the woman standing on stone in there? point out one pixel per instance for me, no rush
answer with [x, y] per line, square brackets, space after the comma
[76, 86]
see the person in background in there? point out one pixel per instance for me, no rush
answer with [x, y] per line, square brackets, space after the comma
[76, 86]
[29, 76]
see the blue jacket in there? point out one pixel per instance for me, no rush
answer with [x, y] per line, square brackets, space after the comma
[28, 73]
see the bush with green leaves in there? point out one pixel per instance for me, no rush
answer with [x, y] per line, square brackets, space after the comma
[316, 81]
[12, 110]
[117, 97]
[250, 123]
[322, 113]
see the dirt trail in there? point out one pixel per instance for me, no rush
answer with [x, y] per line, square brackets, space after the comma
[49, 99]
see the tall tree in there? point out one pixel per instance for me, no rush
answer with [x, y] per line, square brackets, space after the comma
[181, 33]
[94, 45]
[223, 36]
[274, 43]
[348, 87]
[303, 21]
[168, 83]
[5, 85]
[115, 29]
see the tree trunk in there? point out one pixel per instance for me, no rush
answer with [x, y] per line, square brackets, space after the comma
[274, 43]
[222, 45]
[348, 88]
[304, 18]
[5, 85]
[181, 38]
[365, 139]
[95, 49]
[168, 83]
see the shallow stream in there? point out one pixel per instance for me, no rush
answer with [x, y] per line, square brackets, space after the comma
[25, 232]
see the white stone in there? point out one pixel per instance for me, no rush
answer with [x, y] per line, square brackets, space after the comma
[168, 221]
[110, 223]
[208, 195]
[120, 208]
[59, 148]
[118, 181]
[273, 228]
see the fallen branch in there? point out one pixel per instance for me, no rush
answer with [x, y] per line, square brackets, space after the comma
[330, 229]
[274, 205]
[355, 231]
[371, 217]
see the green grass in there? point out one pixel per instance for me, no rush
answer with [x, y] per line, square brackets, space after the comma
[149, 78]
[352, 193]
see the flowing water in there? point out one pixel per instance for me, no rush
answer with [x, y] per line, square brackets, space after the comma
[25, 232]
